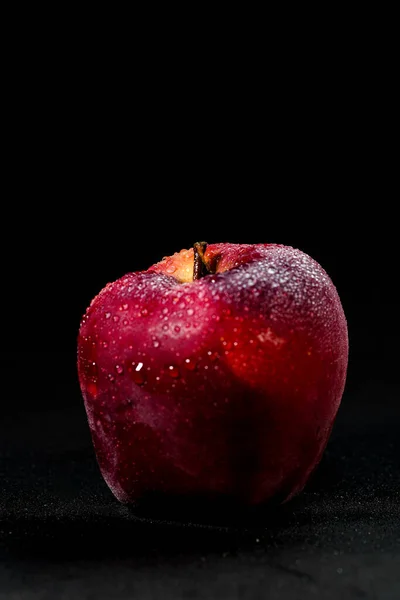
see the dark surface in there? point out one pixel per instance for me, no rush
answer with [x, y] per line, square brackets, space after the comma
[63, 535]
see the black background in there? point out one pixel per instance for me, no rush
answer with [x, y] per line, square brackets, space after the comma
[97, 189]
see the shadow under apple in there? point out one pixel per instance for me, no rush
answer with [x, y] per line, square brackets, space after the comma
[163, 528]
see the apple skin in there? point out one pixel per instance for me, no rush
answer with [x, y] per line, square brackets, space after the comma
[226, 386]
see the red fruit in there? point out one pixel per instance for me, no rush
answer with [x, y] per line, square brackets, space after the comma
[224, 386]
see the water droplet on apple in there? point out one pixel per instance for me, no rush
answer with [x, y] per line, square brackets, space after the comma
[190, 311]
[156, 343]
[170, 269]
[138, 374]
[107, 315]
[125, 322]
[165, 327]
[111, 377]
[144, 312]
[119, 369]
[173, 371]
[177, 328]
[105, 344]
[190, 364]
[115, 318]
[165, 310]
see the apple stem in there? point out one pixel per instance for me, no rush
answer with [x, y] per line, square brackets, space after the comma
[200, 265]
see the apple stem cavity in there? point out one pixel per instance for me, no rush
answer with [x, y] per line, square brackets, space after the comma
[201, 266]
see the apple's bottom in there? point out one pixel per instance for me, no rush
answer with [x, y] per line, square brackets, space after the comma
[204, 509]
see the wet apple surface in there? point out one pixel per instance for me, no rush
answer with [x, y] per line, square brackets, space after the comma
[219, 371]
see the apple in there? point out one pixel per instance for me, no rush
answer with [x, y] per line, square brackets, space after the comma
[218, 373]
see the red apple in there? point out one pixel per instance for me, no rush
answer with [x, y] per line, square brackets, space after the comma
[217, 372]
